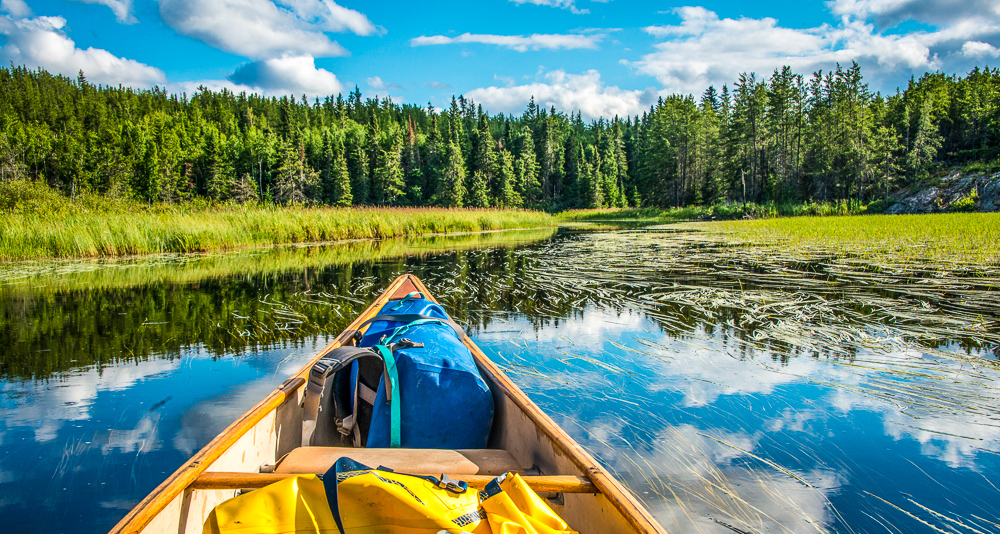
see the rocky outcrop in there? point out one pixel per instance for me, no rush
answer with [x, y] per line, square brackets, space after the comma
[953, 188]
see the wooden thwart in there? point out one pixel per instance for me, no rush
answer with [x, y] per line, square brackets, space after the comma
[541, 484]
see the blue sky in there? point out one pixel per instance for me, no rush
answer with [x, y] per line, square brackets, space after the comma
[600, 57]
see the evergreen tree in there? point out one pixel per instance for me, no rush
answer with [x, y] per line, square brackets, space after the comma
[479, 196]
[507, 195]
[296, 182]
[925, 143]
[451, 193]
[340, 180]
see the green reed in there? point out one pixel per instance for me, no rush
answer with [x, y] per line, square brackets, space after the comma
[80, 233]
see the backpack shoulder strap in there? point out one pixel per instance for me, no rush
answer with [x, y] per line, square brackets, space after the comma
[328, 366]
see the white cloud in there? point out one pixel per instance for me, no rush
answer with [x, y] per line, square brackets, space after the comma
[707, 50]
[121, 8]
[285, 76]
[568, 92]
[261, 29]
[378, 84]
[520, 43]
[978, 49]
[41, 42]
[17, 8]
[936, 12]
[564, 4]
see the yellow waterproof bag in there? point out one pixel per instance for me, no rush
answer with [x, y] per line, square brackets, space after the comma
[354, 499]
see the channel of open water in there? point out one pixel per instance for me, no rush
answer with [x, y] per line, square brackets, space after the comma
[733, 389]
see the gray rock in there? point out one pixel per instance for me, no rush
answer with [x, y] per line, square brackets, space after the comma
[954, 187]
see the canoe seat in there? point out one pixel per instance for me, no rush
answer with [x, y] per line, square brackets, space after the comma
[304, 460]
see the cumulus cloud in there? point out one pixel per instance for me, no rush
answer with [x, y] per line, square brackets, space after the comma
[378, 84]
[121, 8]
[564, 4]
[978, 49]
[17, 8]
[705, 49]
[936, 12]
[286, 76]
[41, 42]
[584, 92]
[520, 43]
[261, 29]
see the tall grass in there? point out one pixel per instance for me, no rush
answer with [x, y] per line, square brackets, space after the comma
[37, 223]
[962, 237]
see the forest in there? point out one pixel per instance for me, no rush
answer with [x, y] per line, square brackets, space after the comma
[786, 138]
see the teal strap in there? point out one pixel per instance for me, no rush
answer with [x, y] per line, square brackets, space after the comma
[412, 295]
[400, 330]
[393, 375]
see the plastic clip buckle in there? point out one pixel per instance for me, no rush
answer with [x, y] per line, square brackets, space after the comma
[454, 486]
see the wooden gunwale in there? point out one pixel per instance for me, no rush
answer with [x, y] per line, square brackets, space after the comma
[180, 480]
[621, 498]
[184, 478]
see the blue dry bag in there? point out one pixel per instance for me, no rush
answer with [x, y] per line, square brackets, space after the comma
[410, 382]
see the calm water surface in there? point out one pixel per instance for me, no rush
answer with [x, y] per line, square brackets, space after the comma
[732, 389]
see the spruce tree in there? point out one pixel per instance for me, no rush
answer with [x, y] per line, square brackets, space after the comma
[479, 196]
[507, 196]
[340, 180]
[451, 192]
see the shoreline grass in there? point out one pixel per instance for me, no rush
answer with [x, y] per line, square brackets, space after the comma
[82, 233]
[948, 237]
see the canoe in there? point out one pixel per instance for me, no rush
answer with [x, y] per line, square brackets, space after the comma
[268, 437]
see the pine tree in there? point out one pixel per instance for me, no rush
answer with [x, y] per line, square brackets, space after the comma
[388, 179]
[451, 193]
[479, 196]
[926, 141]
[296, 182]
[507, 196]
[357, 165]
[340, 180]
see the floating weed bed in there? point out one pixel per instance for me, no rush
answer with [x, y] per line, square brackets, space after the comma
[912, 337]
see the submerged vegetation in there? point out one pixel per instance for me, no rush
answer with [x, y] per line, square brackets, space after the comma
[39, 223]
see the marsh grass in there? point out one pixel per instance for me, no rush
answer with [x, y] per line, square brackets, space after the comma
[83, 233]
[51, 276]
[947, 237]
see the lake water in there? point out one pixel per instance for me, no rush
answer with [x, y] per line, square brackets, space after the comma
[734, 389]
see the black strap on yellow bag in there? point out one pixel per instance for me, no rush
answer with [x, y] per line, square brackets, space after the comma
[345, 468]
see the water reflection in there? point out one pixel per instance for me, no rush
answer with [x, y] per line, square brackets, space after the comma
[733, 388]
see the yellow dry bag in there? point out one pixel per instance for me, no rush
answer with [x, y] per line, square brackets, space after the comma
[354, 499]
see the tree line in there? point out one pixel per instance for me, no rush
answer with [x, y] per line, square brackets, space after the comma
[785, 138]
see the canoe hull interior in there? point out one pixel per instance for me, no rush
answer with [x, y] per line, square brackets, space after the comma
[274, 427]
